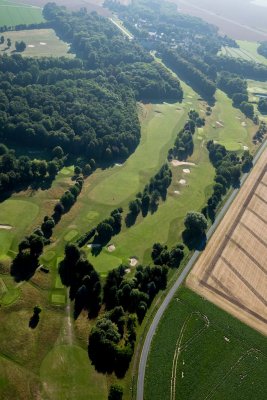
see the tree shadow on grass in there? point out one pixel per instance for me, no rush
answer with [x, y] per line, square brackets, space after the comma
[194, 242]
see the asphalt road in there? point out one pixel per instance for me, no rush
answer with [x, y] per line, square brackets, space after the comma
[178, 283]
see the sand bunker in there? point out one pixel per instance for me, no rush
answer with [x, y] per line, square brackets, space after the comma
[111, 248]
[187, 171]
[176, 163]
[31, 45]
[127, 270]
[93, 246]
[5, 227]
[245, 147]
[133, 261]
[43, 43]
[118, 165]
[244, 124]
[182, 181]
[219, 124]
[176, 192]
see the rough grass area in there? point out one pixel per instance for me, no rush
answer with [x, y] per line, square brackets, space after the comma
[215, 357]
[12, 13]
[39, 42]
[67, 374]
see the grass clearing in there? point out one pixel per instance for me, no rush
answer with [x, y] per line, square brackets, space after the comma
[12, 13]
[39, 42]
[219, 359]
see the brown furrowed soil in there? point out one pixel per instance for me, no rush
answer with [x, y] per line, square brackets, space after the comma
[232, 270]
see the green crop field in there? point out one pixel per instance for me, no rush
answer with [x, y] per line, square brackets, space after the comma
[12, 13]
[39, 42]
[200, 352]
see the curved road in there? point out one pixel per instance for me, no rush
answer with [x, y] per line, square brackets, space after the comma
[178, 283]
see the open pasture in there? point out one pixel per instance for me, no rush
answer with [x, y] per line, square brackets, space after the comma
[201, 352]
[39, 42]
[231, 272]
[14, 13]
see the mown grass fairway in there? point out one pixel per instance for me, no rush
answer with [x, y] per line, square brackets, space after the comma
[229, 126]
[39, 42]
[12, 13]
[200, 352]
[246, 51]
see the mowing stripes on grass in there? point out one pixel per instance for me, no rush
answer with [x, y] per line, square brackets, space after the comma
[58, 298]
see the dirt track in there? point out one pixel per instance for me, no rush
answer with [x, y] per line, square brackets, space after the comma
[232, 271]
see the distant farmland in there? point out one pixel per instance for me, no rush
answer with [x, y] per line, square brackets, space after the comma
[231, 272]
[240, 19]
[12, 13]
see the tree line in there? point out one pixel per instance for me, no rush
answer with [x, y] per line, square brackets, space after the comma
[184, 144]
[228, 167]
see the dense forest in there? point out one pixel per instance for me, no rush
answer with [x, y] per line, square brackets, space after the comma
[86, 105]
[183, 42]
[189, 46]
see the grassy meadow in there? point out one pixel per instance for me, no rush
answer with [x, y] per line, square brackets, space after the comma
[219, 357]
[12, 13]
[39, 42]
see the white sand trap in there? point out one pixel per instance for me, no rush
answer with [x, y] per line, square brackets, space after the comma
[244, 124]
[238, 117]
[245, 147]
[182, 182]
[219, 124]
[118, 165]
[127, 270]
[176, 163]
[226, 339]
[7, 227]
[93, 246]
[176, 192]
[111, 248]
[31, 45]
[133, 261]
[187, 171]
[43, 43]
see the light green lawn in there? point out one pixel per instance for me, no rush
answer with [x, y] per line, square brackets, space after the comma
[12, 13]
[232, 134]
[247, 51]
[19, 214]
[250, 48]
[67, 374]
[39, 42]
